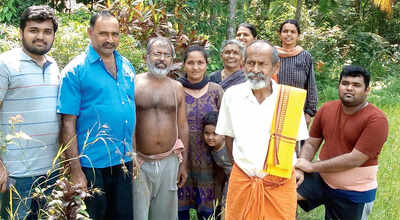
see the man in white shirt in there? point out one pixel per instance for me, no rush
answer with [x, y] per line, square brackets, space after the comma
[258, 187]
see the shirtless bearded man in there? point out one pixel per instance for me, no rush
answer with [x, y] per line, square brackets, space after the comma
[161, 134]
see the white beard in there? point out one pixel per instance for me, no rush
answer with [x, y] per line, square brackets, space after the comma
[153, 70]
[257, 84]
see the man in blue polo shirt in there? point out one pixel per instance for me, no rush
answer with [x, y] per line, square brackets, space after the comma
[96, 101]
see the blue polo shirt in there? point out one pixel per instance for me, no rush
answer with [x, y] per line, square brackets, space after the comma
[104, 106]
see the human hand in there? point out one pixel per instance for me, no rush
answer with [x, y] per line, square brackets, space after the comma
[3, 177]
[299, 177]
[308, 119]
[182, 175]
[78, 178]
[304, 165]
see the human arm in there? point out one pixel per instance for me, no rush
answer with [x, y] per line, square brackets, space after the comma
[229, 147]
[183, 133]
[220, 96]
[69, 141]
[3, 90]
[224, 125]
[308, 119]
[3, 177]
[310, 107]
[307, 153]
[336, 164]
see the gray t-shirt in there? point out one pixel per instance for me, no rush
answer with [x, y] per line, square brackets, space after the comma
[29, 90]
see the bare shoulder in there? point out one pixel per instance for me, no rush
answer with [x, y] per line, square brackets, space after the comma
[141, 76]
[177, 84]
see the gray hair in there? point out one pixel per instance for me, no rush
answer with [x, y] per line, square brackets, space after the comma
[235, 42]
[275, 57]
[163, 40]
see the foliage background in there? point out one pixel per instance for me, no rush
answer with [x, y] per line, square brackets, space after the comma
[336, 32]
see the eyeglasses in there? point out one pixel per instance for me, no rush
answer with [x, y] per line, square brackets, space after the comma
[159, 55]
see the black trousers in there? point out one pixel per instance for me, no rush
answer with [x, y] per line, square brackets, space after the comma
[116, 201]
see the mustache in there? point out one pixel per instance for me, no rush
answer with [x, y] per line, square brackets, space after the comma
[160, 62]
[253, 75]
[41, 41]
[106, 44]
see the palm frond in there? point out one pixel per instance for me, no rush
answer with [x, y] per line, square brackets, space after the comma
[384, 5]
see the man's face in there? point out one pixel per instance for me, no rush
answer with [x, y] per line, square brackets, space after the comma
[231, 56]
[37, 37]
[104, 36]
[258, 65]
[352, 91]
[159, 60]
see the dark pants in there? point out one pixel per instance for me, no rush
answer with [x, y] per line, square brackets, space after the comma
[317, 192]
[24, 206]
[116, 201]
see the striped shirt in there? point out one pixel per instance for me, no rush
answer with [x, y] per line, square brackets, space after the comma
[297, 71]
[31, 91]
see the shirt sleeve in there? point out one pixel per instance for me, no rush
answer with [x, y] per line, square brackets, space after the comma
[316, 127]
[373, 136]
[312, 94]
[224, 124]
[69, 96]
[303, 131]
[4, 74]
[222, 159]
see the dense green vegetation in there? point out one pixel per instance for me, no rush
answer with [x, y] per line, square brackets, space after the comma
[336, 32]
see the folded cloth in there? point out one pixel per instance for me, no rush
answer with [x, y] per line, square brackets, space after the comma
[254, 198]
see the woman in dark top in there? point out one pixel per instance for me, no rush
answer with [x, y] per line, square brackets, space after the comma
[296, 66]
[232, 52]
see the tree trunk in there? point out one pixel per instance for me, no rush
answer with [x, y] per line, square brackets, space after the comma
[298, 10]
[231, 21]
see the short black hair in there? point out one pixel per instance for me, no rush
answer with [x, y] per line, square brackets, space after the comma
[248, 26]
[38, 13]
[291, 21]
[210, 118]
[195, 48]
[355, 71]
[97, 15]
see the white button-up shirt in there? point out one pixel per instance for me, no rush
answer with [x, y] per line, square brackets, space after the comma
[249, 122]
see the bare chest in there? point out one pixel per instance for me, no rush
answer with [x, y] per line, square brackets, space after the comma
[161, 98]
[111, 67]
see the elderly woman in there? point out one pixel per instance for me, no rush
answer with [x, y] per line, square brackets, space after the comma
[297, 66]
[232, 53]
[202, 187]
[246, 33]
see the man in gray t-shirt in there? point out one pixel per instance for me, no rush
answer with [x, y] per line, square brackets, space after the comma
[29, 81]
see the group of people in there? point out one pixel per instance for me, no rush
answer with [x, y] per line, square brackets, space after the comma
[157, 147]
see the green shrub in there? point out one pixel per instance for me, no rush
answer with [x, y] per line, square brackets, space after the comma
[11, 10]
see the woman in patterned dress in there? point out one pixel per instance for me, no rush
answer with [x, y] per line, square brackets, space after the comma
[203, 186]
